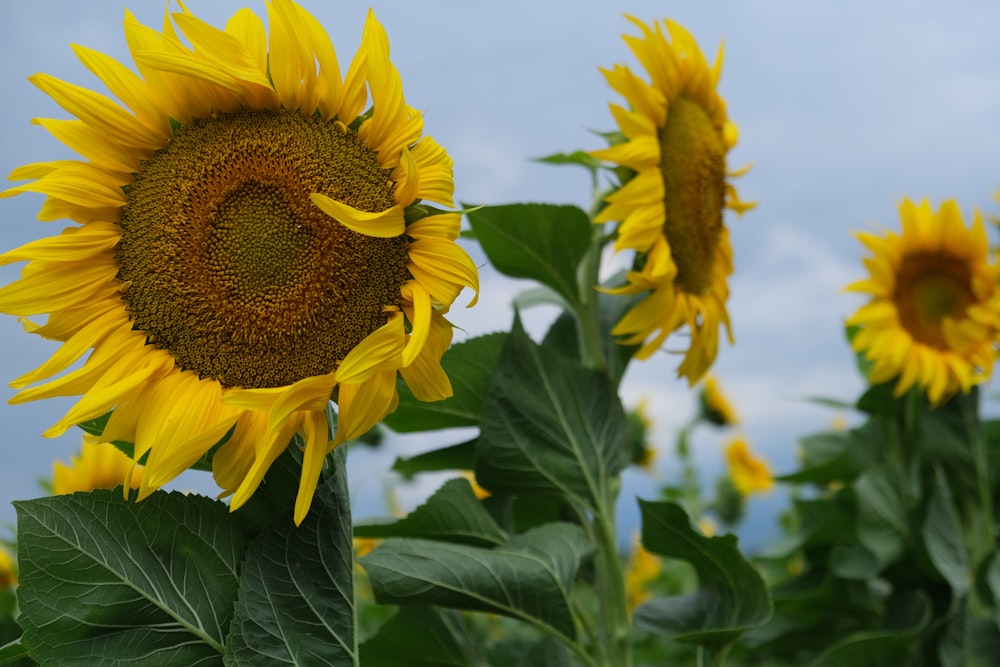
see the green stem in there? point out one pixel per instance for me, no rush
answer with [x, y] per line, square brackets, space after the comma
[616, 626]
[987, 536]
[588, 313]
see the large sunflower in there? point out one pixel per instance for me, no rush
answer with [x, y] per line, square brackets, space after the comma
[248, 245]
[675, 138]
[934, 315]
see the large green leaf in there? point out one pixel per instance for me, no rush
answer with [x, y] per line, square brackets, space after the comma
[896, 643]
[469, 366]
[452, 514]
[943, 538]
[731, 596]
[836, 456]
[543, 242]
[549, 424]
[456, 457]
[105, 581]
[296, 603]
[527, 578]
[422, 637]
[883, 515]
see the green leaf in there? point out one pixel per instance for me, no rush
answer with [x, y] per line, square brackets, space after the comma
[581, 158]
[421, 637]
[853, 561]
[539, 296]
[883, 517]
[731, 596]
[835, 456]
[527, 578]
[943, 537]
[452, 514]
[520, 651]
[296, 603]
[14, 653]
[542, 242]
[105, 581]
[457, 457]
[983, 641]
[895, 644]
[563, 336]
[549, 424]
[469, 366]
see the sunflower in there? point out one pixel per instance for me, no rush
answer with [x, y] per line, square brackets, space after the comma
[934, 315]
[675, 137]
[748, 472]
[249, 242]
[715, 406]
[100, 465]
[8, 571]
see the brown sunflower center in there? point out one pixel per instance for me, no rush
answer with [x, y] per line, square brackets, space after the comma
[693, 168]
[232, 269]
[930, 287]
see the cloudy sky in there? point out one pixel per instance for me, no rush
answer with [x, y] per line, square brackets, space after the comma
[844, 108]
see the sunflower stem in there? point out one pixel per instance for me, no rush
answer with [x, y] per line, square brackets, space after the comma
[589, 313]
[986, 540]
[616, 626]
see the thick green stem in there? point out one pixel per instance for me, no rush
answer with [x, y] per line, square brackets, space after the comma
[588, 314]
[616, 627]
[986, 541]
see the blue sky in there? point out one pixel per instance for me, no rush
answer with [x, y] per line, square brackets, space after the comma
[844, 108]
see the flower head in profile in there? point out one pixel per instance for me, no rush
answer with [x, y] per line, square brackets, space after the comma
[716, 407]
[748, 472]
[675, 139]
[933, 318]
[100, 465]
[8, 571]
[249, 240]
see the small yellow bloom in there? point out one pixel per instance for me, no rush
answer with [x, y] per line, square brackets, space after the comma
[750, 473]
[707, 526]
[364, 546]
[8, 571]
[715, 406]
[643, 568]
[100, 465]
[933, 319]
[479, 491]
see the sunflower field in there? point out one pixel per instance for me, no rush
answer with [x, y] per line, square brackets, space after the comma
[265, 270]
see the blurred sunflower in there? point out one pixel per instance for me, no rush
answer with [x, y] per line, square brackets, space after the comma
[716, 408]
[250, 245]
[748, 472]
[642, 569]
[934, 316]
[674, 139]
[100, 465]
[8, 571]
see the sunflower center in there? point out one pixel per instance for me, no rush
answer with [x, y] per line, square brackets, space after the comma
[693, 168]
[929, 288]
[232, 269]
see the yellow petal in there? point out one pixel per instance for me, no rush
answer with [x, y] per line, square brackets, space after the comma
[318, 445]
[381, 351]
[386, 224]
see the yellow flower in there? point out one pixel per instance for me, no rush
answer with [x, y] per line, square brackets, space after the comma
[643, 568]
[100, 465]
[364, 546]
[249, 243]
[707, 526]
[715, 406]
[934, 315]
[677, 135]
[8, 571]
[750, 473]
[480, 492]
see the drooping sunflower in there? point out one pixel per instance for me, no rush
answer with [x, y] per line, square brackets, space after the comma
[934, 315]
[748, 472]
[675, 137]
[249, 242]
[100, 465]
[716, 408]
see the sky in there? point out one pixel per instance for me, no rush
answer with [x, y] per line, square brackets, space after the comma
[844, 108]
